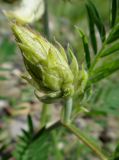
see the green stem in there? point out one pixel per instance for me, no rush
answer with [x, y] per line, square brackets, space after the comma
[44, 117]
[46, 20]
[81, 136]
[85, 140]
[67, 109]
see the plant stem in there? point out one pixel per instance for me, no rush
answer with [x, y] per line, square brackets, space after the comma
[85, 140]
[43, 118]
[81, 136]
[67, 109]
[46, 20]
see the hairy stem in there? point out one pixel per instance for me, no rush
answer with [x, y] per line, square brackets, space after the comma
[44, 117]
[67, 109]
[85, 140]
[81, 136]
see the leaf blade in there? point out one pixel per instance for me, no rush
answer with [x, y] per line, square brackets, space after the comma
[104, 71]
[97, 20]
[30, 124]
[86, 47]
[113, 12]
[92, 30]
[110, 49]
[113, 35]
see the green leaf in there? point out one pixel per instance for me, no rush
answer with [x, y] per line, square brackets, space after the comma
[110, 49]
[26, 134]
[105, 70]
[39, 147]
[116, 153]
[74, 64]
[113, 12]
[107, 98]
[23, 138]
[20, 148]
[92, 30]
[96, 17]
[86, 47]
[114, 34]
[30, 124]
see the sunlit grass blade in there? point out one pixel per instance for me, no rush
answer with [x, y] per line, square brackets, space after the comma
[86, 47]
[113, 12]
[92, 30]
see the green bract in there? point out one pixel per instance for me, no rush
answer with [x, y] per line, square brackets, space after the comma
[47, 66]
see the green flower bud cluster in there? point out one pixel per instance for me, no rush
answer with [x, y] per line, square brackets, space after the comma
[48, 67]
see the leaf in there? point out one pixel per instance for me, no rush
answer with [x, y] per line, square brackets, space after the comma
[107, 98]
[113, 12]
[78, 110]
[113, 35]
[116, 153]
[26, 134]
[24, 140]
[39, 147]
[86, 47]
[110, 49]
[30, 124]
[74, 64]
[92, 30]
[104, 71]
[97, 19]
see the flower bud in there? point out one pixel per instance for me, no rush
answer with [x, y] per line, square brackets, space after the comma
[26, 11]
[47, 66]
